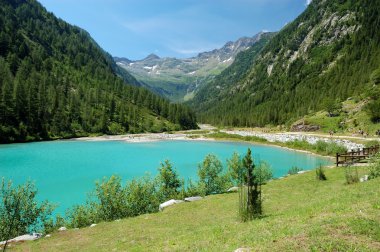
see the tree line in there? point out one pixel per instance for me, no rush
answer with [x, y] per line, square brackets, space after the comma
[56, 82]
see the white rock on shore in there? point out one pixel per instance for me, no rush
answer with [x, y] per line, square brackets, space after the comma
[191, 199]
[233, 189]
[169, 203]
[25, 237]
[287, 137]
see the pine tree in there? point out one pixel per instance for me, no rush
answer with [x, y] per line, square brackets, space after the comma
[250, 202]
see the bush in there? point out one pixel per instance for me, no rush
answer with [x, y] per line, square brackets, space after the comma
[374, 170]
[142, 196]
[373, 110]
[82, 215]
[352, 175]
[329, 148]
[263, 173]
[195, 189]
[168, 180]
[320, 173]
[371, 143]
[210, 174]
[235, 168]
[20, 213]
[333, 148]
[294, 170]
[111, 200]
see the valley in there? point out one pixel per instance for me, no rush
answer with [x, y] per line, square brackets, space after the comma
[179, 79]
[236, 148]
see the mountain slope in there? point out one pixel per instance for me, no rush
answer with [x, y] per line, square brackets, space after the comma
[328, 53]
[55, 81]
[175, 78]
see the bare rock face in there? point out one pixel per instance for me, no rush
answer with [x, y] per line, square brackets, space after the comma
[304, 127]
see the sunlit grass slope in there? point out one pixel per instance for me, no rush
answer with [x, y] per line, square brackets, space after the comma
[301, 214]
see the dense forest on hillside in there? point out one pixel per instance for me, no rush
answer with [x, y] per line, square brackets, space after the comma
[55, 81]
[328, 53]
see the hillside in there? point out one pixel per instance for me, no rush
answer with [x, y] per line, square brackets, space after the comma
[57, 82]
[177, 79]
[329, 53]
[301, 214]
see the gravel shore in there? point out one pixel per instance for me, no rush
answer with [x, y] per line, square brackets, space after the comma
[286, 137]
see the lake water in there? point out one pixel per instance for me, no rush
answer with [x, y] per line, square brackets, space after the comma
[65, 171]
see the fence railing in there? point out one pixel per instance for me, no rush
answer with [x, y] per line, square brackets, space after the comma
[356, 156]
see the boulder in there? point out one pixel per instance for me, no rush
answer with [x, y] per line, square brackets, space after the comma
[62, 229]
[233, 189]
[93, 225]
[242, 250]
[191, 199]
[300, 127]
[25, 237]
[364, 178]
[169, 203]
[48, 235]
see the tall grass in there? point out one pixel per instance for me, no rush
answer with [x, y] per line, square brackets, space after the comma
[222, 135]
[320, 147]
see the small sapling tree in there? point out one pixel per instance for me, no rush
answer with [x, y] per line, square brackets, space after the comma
[250, 201]
[168, 180]
[320, 173]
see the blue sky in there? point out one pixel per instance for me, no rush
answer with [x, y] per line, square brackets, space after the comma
[173, 28]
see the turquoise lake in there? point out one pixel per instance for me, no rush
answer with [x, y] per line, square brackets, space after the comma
[65, 171]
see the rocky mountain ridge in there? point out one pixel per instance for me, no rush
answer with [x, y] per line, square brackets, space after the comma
[177, 79]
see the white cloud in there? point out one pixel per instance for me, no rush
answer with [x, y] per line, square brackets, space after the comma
[308, 2]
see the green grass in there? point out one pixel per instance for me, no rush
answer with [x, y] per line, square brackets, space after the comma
[301, 214]
[226, 136]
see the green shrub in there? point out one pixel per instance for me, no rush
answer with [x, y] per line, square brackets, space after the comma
[351, 174]
[263, 173]
[333, 148]
[210, 174]
[195, 189]
[235, 168]
[20, 213]
[373, 110]
[371, 143]
[142, 196]
[168, 180]
[82, 215]
[294, 170]
[320, 173]
[374, 169]
[111, 200]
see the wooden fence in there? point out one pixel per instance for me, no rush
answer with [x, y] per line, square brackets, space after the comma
[356, 156]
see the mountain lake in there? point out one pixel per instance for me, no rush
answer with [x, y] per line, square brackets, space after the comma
[64, 172]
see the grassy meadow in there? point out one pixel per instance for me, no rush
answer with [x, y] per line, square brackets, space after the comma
[301, 214]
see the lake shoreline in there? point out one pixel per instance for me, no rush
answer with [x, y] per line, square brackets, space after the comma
[154, 137]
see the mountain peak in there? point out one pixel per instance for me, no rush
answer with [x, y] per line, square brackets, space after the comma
[151, 56]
